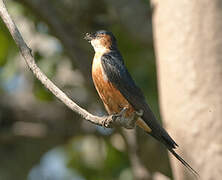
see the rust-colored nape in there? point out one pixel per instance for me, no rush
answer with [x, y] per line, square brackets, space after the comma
[106, 41]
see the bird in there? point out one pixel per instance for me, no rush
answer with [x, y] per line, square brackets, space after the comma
[117, 90]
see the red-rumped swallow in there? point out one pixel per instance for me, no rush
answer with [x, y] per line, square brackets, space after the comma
[118, 90]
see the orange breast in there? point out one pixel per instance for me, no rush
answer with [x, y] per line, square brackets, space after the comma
[113, 100]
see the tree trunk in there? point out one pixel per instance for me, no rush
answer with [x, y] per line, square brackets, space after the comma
[188, 44]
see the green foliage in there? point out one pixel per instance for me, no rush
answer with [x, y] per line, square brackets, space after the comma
[48, 66]
[115, 162]
[8, 51]
[105, 166]
[41, 92]
[7, 45]
[4, 48]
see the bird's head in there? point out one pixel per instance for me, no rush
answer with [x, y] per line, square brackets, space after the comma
[101, 40]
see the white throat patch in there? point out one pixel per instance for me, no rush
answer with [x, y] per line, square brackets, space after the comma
[98, 46]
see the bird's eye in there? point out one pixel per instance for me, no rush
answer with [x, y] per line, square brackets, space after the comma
[100, 35]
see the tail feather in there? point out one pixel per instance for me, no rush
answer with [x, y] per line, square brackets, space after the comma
[159, 133]
[171, 145]
[165, 138]
[184, 163]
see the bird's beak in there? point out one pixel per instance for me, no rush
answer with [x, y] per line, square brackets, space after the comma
[89, 37]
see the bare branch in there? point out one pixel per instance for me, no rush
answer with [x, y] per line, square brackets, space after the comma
[110, 121]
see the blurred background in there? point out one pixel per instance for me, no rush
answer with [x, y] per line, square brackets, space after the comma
[40, 138]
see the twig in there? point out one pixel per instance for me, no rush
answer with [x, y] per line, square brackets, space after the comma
[26, 52]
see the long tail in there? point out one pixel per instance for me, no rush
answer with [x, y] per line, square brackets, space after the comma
[159, 133]
[170, 144]
[184, 163]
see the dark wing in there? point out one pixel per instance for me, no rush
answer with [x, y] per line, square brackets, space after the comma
[119, 76]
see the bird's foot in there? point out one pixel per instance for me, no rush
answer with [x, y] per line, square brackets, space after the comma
[109, 121]
[130, 122]
[121, 120]
[139, 113]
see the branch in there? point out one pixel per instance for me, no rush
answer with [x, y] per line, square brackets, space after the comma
[107, 121]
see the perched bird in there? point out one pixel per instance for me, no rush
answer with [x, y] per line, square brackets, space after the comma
[118, 90]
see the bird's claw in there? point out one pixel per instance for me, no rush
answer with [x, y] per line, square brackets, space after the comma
[109, 120]
[106, 122]
[139, 113]
[130, 122]
[120, 119]
[120, 114]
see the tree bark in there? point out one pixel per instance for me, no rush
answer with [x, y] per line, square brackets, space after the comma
[188, 44]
